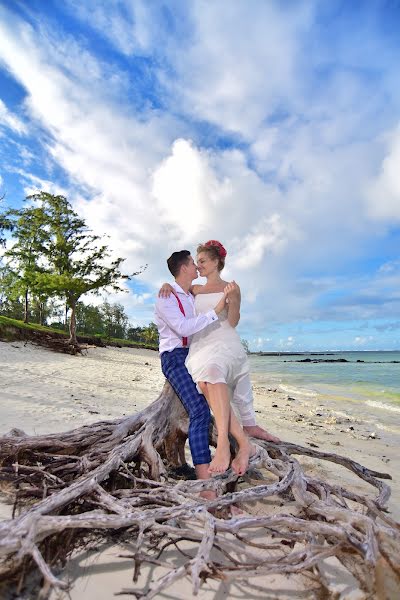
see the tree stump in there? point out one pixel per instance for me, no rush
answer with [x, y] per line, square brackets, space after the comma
[112, 477]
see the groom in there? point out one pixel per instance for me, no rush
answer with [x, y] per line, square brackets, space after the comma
[176, 321]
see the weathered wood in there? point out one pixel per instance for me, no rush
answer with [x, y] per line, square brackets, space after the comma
[113, 475]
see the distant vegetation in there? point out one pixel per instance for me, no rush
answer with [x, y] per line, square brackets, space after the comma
[51, 260]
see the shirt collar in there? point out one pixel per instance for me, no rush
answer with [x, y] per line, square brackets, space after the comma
[179, 289]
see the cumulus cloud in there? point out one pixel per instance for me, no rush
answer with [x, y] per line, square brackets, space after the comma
[245, 145]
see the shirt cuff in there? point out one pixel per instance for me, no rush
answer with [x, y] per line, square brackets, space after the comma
[213, 315]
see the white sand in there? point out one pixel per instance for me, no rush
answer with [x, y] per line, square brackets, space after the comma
[42, 391]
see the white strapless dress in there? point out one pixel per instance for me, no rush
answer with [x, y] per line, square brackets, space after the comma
[216, 354]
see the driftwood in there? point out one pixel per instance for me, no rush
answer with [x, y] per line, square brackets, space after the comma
[112, 478]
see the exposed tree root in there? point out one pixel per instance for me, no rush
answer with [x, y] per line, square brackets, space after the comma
[112, 476]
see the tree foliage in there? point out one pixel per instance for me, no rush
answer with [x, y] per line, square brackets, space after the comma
[22, 270]
[55, 255]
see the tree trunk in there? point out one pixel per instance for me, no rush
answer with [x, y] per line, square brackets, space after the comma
[26, 306]
[113, 476]
[72, 324]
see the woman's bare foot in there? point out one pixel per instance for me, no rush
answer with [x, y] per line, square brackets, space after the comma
[241, 460]
[261, 434]
[222, 458]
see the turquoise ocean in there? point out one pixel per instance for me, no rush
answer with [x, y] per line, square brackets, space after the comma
[365, 387]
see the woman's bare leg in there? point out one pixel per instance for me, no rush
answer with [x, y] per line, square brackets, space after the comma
[246, 448]
[218, 398]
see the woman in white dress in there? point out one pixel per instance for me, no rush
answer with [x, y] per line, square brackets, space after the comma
[217, 360]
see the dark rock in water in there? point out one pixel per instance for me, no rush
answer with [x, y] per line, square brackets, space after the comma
[274, 406]
[292, 399]
[360, 360]
[321, 360]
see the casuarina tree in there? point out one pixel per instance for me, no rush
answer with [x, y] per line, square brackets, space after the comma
[77, 262]
[54, 254]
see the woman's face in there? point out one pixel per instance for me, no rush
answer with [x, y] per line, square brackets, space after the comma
[206, 265]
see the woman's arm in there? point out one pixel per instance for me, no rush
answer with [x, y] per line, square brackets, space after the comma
[233, 299]
[195, 289]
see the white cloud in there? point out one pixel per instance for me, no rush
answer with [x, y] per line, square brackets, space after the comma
[186, 189]
[362, 340]
[10, 120]
[241, 61]
[383, 194]
[126, 25]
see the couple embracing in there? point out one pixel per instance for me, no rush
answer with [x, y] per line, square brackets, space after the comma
[204, 360]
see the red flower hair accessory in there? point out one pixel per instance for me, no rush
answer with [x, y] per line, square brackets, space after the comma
[221, 250]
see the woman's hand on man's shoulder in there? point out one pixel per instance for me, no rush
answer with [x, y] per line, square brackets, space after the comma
[166, 290]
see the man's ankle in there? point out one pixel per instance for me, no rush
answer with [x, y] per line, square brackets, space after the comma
[202, 471]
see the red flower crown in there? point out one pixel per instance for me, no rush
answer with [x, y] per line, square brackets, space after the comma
[216, 244]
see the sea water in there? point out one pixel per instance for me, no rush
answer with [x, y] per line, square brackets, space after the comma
[366, 386]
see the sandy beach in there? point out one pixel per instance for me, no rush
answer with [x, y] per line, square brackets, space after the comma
[43, 391]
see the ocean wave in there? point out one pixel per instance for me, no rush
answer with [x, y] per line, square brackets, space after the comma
[383, 406]
[297, 391]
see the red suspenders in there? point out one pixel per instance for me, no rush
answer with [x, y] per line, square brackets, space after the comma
[184, 339]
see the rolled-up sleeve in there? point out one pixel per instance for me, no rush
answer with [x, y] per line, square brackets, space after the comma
[167, 309]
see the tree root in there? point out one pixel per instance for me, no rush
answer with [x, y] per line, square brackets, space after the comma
[112, 476]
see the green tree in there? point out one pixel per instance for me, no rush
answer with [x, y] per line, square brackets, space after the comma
[136, 334]
[115, 320]
[75, 259]
[10, 302]
[150, 334]
[89, 319]
[5, 224]
[22, 260]
[245, 345]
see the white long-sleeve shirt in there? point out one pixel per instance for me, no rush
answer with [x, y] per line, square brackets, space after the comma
[173, 325]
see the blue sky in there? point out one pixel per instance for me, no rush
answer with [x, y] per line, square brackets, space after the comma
[272, 126]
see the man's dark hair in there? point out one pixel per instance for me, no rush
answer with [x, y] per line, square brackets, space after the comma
[176, 260]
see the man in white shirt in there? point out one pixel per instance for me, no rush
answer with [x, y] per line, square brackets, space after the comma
[176, 321]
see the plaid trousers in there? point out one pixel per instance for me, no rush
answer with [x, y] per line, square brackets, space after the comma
[174, 369]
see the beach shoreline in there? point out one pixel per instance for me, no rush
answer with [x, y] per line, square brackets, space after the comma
[46, 392]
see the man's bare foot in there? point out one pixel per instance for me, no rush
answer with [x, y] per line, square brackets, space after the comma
[222, 458]
[236, 511]
[241, 460]
[261, 434]
[208, 494]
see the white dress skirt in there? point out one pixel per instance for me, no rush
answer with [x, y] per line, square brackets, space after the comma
[216, 354]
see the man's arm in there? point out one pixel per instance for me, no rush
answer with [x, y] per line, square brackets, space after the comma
[168, 310]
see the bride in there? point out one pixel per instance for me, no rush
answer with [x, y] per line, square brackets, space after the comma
[217, 360]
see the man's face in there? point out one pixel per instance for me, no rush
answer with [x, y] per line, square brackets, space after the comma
[191, 268]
